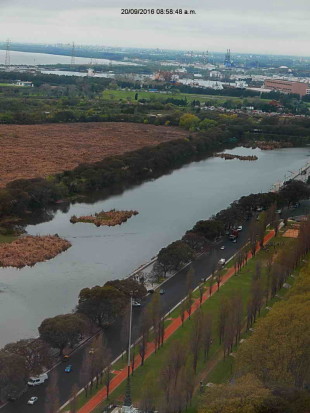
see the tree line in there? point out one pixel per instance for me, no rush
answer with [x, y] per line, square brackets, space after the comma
[205, 232]
[272, 365]
[97, 307]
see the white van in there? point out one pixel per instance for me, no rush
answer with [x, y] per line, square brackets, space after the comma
[35, 381]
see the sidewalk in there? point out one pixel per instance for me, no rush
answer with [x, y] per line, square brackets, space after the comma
[91, 404]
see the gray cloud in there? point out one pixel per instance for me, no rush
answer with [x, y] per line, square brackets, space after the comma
[259, 26]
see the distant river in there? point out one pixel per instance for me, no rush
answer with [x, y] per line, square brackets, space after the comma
[168, 206]
[32, 59]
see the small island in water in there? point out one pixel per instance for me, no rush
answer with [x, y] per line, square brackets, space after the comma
[29, 249]
[228, 156]
[109, 218]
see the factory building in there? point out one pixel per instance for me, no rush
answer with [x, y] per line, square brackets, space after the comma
[287, 86]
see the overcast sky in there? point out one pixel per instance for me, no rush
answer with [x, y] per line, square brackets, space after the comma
[258, 26]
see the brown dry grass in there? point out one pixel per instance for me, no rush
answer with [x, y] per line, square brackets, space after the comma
[29, 151]
[28, 250]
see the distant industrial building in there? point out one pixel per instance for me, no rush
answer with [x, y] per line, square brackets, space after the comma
[287, 86]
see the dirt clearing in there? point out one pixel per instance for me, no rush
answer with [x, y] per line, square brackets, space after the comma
[30, 151]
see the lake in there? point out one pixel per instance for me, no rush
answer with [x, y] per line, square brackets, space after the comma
[168, 207]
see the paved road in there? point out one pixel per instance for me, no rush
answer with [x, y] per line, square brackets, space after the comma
[175, 291]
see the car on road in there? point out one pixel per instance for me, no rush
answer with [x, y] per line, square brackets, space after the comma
[91, 350]
[239, 228]
[222, 247]
[136, 303]
[36, 381]
[68, 369]
[162, 291]
[234, 240]
[32, 400]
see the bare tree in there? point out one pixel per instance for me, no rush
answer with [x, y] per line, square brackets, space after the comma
[201, 290]
[189, 279]
[52, 403]
[182, 310]
[195, 338]
[144, 332]
[107, 374]
[206, 334]
[223, 317]
[85, 373]
[73, 405]
[189, 302]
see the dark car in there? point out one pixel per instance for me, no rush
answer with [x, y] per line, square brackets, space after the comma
[151, 291]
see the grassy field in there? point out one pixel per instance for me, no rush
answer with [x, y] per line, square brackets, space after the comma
[116, 95]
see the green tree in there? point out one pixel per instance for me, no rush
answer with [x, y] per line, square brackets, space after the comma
[189, 121]
[102, 304]
[62, 330]
[173, 256]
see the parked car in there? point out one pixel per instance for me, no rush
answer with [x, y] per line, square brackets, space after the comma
[68, 369]
[36, 381]
[91, 350]
[32, 400]
[222, 247]
[239, 228]
[136, 303]
[151, 291]
[162, 291]
[222, 261]
[65, 357]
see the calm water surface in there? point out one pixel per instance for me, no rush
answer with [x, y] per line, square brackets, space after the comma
[24, 58]
[167, 207]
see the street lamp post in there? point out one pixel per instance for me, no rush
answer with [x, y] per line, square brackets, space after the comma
[129, 337]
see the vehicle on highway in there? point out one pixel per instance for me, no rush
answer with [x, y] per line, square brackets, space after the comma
[36, 381]
[162, 291]
[68, 369]
[32, 400]
[136, 303]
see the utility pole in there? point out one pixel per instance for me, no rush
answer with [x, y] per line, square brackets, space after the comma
[129, 338]
[127, 406]
[72, 55]
[7, 61]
